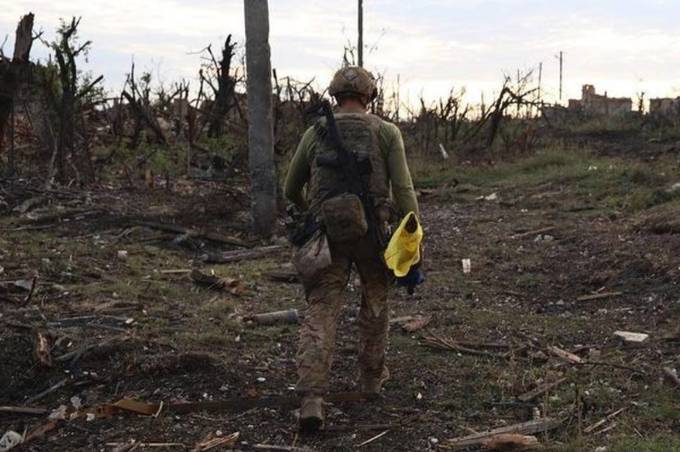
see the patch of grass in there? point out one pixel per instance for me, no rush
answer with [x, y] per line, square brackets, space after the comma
[611, 183]
[656, 443]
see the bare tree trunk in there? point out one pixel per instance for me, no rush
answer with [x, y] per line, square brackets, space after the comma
[260, 130]
[12, 74]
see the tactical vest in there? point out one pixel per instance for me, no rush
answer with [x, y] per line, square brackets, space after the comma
[359, 132]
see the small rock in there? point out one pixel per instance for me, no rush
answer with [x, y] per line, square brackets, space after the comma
[122, 254]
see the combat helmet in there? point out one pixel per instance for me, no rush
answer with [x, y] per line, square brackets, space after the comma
[353, 80]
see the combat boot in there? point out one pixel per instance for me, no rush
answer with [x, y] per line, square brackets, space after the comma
[311, 414]
[371, 385]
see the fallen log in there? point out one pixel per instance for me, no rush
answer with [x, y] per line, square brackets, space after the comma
[283, 276]
[192, 234]
[236, 256]
[524, 428]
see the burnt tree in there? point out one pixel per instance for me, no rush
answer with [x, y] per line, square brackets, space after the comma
[223, 86]
[66, 96]
[12, 73]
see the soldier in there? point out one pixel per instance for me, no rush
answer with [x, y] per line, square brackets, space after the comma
[378, 146]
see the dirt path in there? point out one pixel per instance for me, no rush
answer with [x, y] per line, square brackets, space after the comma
[125, 290]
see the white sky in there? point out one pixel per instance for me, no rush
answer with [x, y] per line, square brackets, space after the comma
[621, 46]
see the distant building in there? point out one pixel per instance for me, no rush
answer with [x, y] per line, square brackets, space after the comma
[597, 104]
[664, 106]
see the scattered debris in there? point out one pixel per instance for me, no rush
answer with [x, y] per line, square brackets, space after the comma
[534, 232]
[442, 151]
[37, 411]
[565, 355]
[598, 296]
[370, 440]
[221, 441]
[43, 348]
[75, 355]
[540, 389]
[417, 323]
[434, 341]
[524, 428]
[30, 203]
[271, 318]
[231, 285]
[510, 442]
[672, 376]
[603, 421]
[287, 276]
[628, 336]
[236, 256]
[132, 445]
[492, 197]
[10, 440]
[191, 234]
[48, 391]
[281, 448]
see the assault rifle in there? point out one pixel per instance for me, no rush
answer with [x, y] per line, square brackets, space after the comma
[354, 173]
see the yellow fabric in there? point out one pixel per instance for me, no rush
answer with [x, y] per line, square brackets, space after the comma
[403, 251]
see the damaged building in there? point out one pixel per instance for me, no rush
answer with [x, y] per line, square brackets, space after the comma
[666, 106]
[597, 104]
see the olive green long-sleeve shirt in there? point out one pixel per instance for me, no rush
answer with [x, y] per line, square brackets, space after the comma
[394, 155]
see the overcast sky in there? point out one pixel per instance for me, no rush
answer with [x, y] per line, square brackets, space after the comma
[621, 46]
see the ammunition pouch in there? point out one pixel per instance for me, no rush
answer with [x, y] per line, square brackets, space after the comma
[344, 218]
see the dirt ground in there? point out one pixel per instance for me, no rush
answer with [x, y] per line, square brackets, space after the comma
[116, 288]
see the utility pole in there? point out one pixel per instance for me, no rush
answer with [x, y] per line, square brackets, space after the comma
[360, 43]
[540, 78]
[260, 128]
[561, 66]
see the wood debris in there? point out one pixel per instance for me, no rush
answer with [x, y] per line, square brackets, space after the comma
[510, 442]
[43, 348]
[221, 441]
[599, 296]
[629, 336]
[534, 232]
[434, 341]
[418, 323]
[540, 389]
[603, 421]
[232, 285]
[370, 440]
[236, 256]
[524, 428]
[37, 411]
[565, 355]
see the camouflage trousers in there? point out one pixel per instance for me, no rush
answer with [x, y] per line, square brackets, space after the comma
[325, 299]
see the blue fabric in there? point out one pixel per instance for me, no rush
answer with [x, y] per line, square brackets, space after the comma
[413, 278]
